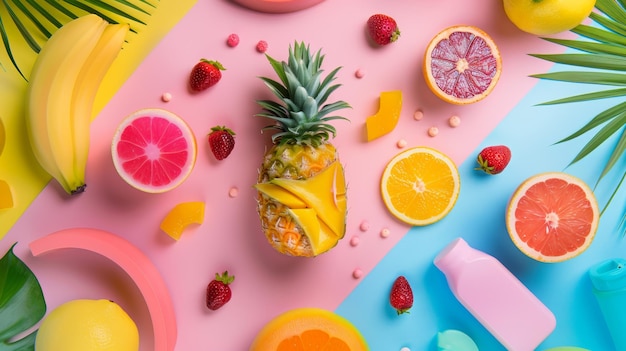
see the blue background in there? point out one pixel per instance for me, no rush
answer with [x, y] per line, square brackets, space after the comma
[531, 131]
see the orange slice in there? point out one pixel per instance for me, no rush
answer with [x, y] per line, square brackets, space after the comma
[386, 119]
[305, 329]
[552, 217]
[181, 216]
[462, 65]
[420, 186]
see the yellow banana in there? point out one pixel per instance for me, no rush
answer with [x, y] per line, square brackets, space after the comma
[62, 88]
[86, 88]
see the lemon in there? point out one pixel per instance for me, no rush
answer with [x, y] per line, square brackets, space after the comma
[544, 17]
[87, 325]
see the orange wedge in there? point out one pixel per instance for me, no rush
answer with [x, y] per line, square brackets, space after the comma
[420, 186]
[181, 216]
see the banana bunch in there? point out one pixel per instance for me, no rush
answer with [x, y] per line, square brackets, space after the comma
[61, 91]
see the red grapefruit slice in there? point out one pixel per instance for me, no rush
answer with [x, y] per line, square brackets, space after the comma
[154, 150]
[552, 217]
[462, 65]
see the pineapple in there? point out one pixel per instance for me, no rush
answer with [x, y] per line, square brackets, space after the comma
[301, 185]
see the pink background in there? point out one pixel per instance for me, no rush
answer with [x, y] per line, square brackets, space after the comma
[266, 283]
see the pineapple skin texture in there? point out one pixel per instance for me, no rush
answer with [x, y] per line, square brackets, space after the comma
[290, 161]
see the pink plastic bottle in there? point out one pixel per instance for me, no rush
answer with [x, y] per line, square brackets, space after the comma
[499, 301]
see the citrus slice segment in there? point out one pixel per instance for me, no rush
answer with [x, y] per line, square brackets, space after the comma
[181, 216]
[420, 186]
[305, 329]
[462, 65]
[552, 217]
[153, 150]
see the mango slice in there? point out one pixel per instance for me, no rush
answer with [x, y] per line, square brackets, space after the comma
[6, 198]
[181, 216]
[280, 195]
[386, 119]
[320, 236]
[325, 193]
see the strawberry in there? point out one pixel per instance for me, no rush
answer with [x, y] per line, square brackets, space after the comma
[401, 297]
[493, 159]
[218, 291]
[383, 29]
[205, 74]
[221, 141]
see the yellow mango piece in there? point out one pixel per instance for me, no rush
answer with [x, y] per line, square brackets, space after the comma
[6, 198]
[320, 235]
[386, 119]
[280, 195]
[181, 216]
[321, 194]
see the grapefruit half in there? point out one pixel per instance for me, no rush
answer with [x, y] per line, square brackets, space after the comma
[552, 217]
[153, 150]
[462, 65]
[304, 329]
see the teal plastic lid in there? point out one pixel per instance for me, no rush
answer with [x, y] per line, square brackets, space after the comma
[609, 275]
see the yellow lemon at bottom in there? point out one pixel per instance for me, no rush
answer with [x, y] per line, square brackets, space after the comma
[545, 17]
[87, 325]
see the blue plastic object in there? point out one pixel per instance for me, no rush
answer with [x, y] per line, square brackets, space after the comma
[609, 286]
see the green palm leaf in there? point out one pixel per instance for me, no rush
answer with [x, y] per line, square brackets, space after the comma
[36, 20]
[601, 53]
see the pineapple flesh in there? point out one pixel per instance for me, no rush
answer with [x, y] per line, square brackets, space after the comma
[301, 185]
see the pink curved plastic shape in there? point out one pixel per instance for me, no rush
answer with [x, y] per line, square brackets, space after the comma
[277, 6]
[136, 264]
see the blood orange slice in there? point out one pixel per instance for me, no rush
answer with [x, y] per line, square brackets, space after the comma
[304, 329]
[462, 65]
[153, 150]
[552, 217]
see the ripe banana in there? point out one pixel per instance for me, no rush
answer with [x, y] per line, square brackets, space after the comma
[61, 90]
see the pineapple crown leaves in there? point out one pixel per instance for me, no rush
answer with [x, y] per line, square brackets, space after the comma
[302, 116]
[36, 20]
[602, 51]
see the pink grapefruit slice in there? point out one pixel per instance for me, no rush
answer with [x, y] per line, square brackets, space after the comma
[552, 217]
[153, 150]
[462, 65]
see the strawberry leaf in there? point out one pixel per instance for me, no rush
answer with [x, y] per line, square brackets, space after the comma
[22, 303]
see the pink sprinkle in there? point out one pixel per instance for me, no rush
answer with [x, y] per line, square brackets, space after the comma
[359, 73]
[357, 273]
[364, 226]
[433, 131]
[233, 40]
[401, 144]
[233, 192]
[354, 241]
[454, 121]
[385, 233]
[166, 97]
[418, 115]
[261, 46]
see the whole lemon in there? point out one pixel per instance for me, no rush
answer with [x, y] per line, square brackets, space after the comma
[544, 17]
[87, 325]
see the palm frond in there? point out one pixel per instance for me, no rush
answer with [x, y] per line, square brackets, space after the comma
[32, 22]
[601, 53]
